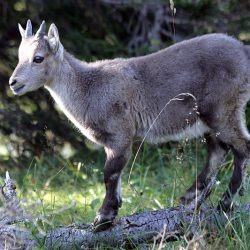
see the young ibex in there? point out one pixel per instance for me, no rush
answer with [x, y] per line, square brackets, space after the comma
[114, 101]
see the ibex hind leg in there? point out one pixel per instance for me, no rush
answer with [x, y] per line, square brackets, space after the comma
[202, 186]
[238, 138]
[241, 152]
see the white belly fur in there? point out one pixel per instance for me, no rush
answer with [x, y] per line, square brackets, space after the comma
[196, 130]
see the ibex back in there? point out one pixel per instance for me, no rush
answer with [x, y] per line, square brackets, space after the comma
[193, 88]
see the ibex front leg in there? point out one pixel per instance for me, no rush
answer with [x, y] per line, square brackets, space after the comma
[116, 160]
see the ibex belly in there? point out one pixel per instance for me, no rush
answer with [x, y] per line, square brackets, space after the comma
[197, 129]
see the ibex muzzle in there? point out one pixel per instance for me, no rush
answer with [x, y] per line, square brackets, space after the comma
[193, 88]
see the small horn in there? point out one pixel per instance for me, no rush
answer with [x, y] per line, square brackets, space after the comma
[22, 31]
[41, 30]
[7, 175]
[28, 31]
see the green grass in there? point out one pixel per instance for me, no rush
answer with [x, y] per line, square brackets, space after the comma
[158, 178]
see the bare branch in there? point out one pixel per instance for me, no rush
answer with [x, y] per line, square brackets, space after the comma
[151, 226]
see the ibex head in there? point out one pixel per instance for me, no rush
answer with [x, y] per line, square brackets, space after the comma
[39, 57]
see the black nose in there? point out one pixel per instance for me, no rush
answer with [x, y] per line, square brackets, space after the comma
[12, 82]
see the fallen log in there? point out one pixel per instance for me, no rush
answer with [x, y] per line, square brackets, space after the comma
[129, 231]
[137, 229]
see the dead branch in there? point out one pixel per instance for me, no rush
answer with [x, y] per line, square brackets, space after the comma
[137, 229]
[151, 226]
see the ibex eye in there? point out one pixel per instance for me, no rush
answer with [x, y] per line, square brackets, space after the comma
[38, 59]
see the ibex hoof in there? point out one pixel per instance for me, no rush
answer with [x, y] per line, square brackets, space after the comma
[103, 222]
[184, 201]
[187, 198]
[226, 206]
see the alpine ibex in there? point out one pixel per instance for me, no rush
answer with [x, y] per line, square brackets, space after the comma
[193, 88]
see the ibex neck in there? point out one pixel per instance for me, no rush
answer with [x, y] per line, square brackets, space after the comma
[71, 71]
[70, 84]
[69, 76]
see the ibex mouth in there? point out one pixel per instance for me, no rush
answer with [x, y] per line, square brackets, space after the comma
[17, 90]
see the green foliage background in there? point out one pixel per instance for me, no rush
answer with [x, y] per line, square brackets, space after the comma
[91, 30]
[50, 160]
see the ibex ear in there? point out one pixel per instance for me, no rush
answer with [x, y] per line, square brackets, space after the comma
[54, 41]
